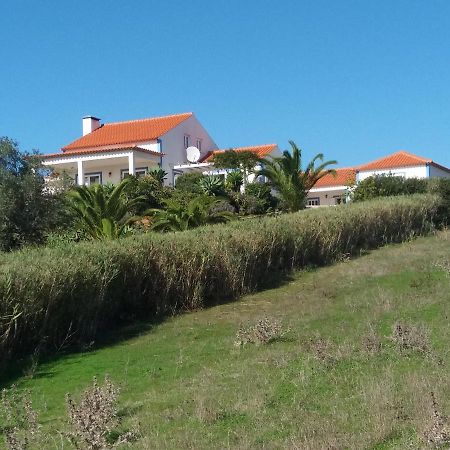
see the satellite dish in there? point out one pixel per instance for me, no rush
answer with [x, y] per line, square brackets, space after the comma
[192, 154]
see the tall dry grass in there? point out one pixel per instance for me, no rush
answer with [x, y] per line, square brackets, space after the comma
[51, 297]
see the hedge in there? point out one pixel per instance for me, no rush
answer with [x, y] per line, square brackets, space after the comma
[70, 294]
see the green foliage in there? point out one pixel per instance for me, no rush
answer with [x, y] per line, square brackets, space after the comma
[286, 175]
[54, 296]
[257, 199]
[149, 189]
[212, 185]
[245, 162]
[201, 210]
[231, 159]
[386, 186]
[28, 211]
[189, 182]
[249, 205]
[103, 211]
[234, 181]
[159, 175]
[441, 187]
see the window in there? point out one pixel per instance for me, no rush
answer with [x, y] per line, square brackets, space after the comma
[315, 201]
[92, 178]
[186, 141]
[338, 199]
[138, 172]
[199, 144]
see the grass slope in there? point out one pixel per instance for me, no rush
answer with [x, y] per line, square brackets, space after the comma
[188, 386]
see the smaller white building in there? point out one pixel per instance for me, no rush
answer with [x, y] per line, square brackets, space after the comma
[403, 164]
[333, 189]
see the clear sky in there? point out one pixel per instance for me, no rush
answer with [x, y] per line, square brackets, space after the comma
[354, 79]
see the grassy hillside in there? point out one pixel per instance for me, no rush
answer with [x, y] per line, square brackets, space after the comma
[335, 379]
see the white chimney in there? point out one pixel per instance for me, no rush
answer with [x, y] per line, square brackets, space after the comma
[90, 123]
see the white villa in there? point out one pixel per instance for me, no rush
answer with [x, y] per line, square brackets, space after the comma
[332, 190]
[106, 153]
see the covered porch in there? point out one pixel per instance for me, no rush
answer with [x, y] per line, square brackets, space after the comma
[102, 167]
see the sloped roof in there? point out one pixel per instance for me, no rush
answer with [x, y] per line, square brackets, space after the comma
[343, 177]
[260, 150]
[130, 132]
[398, 159]
[85, 151]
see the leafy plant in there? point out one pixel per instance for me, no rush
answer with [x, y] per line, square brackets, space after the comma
[28, 211]
[159, 175]
[212, 185]
[244, 161]
[286, 175]
[199, 211]
[189, 182]
[386, 186]
[104, 211]
[234, 181]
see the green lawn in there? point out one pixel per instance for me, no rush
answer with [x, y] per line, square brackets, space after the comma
[320, 386]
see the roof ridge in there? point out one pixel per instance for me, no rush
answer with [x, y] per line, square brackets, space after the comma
[149, 118]
[244, 146]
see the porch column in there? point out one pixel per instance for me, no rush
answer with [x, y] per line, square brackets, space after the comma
[80, 176]
[131, 163]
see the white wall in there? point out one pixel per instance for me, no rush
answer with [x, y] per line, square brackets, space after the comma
[172, 144]
[407, 172]
[437, 172]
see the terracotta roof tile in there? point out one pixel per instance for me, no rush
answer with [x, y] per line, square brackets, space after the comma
[260, 150]
[131, 132]
[343, 177]
[398, 159]
[85, 151]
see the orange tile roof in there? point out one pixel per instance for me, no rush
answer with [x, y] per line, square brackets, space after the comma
[260, 150]
[131, 132]
[84, 151]
[398, 159]
[343, 177]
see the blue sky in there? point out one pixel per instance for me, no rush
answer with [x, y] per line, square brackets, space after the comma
[354, 79]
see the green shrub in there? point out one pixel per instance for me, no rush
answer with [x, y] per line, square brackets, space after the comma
[189, 182]
[70, 293]
[388, 185]
[441, 187]
[212, 185]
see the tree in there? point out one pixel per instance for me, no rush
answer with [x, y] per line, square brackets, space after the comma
[104, 212]
[28, 211]
[286, 175]
[245, 161]
[177, 216]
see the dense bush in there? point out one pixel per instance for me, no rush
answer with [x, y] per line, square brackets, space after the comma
[51, 296]
[189, 182]
[441, 187]
[28, 211]
[388, 185]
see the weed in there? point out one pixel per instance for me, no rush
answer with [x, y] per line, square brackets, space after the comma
[438, 434]
[21, 428]
[263, 332]
[371, 343]
[95, 418]
[410, 337]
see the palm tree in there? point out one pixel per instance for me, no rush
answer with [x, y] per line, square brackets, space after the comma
[286, 175]
[179, 217]
[103, 211]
